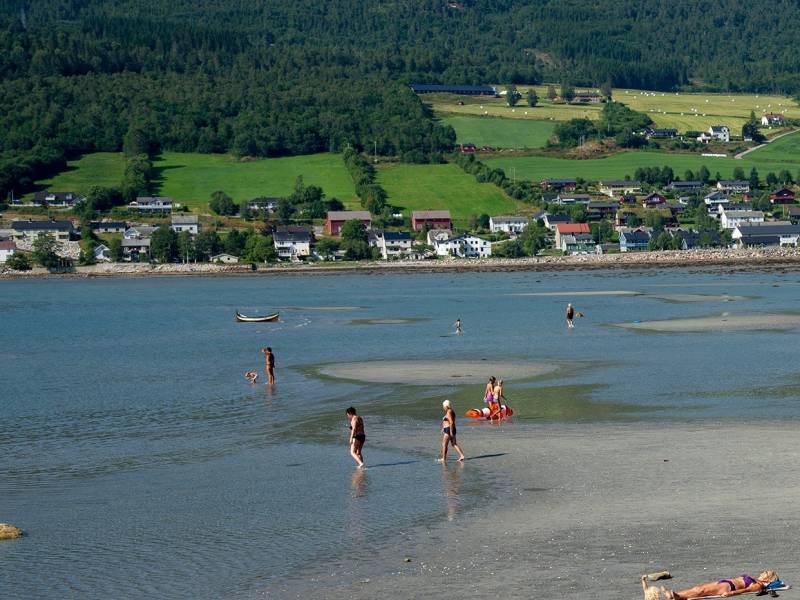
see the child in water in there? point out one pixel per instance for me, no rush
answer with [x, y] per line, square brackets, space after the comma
[251, 376]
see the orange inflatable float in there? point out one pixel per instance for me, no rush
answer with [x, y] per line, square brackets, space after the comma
[483, 413]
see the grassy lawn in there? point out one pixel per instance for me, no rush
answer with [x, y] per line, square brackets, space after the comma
[101, 168]
[501, 133]
[617, 166]
[679, 110]
[443, 187]
[785, 149]
[191, 178]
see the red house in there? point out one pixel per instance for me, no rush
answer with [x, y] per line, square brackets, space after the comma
[653, 199]
[435, 219]
[337, 218]
[559, 185]
[468, 148]
[782, 196]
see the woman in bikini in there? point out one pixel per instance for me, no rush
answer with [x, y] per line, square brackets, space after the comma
[724, 587]
[488, 394]
[497, 398]
[357, 436]
[449, 432]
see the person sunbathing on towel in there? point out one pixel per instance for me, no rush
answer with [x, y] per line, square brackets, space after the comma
[724, 587]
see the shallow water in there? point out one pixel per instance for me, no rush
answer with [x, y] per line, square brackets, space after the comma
[140, 463]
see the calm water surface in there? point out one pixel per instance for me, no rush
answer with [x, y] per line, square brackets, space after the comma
[141, 464]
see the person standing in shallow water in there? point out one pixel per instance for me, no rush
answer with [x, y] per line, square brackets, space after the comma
[269, 364]
[458, 326]
[449, 432]
[357, 436]
[570, 316]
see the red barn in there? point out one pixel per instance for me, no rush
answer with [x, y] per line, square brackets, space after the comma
[782, 196]
[337, 218]
[435, 219]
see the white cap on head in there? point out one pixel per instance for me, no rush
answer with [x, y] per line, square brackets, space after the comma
[446, 404]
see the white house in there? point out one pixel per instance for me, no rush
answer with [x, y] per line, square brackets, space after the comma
[719, 132]
[508, 224]
[225, 258]
[28, 230]
[619, 188]
[392, 244]
[138, 232]
[737, 186]
[464, 246]
[102, 253]
[731, 219]
[553, 221]
[148, 204]
[135, 249]
[190, 223]
[716, 198]
[438, 235]
[292, 244]
[7, 249]
[578, 243]
[773, 119]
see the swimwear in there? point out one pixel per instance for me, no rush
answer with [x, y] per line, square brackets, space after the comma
[748, 581]
[729, 582]
[446, 430]
[360, 437]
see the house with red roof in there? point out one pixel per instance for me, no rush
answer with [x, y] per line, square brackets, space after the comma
[569, 229]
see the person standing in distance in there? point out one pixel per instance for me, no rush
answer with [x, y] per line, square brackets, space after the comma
[570, 316]
[269, 364]
[458, 326]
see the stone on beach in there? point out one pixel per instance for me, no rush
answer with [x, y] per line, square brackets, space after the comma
[9, 532]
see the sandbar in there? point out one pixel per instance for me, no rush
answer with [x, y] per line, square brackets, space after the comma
[723, 322]
[388, 321]
[699, 297]
[571, 293]
[433, 372]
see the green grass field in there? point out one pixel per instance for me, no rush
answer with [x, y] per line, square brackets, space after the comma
[618, 166]
[667, 109]
[785, 149]
[501, 133]
[443, 187]
[101, 168]
[191, 178]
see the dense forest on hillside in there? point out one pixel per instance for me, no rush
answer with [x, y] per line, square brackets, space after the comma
[270, 78]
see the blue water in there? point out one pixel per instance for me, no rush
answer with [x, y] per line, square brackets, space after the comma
[141, 464]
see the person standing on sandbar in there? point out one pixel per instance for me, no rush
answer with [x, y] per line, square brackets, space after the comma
[357, 436]
[269, 364]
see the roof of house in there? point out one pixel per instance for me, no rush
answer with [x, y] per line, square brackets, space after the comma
[108, 225]
[349, 215]
[587, 93]
[7, 245]
[430, 214]
[143, 230]
[136, 243]
[782, 192]
[760, 240]
[744, 214]
[396, 236]
[467, 89]
[575, 196]
[717, 195]
[653, 195]
[153, 199]
[794, 211]
[774, 228]
[41, 225]
[685, 184]
[187, 220]
[572, 228]
[773, 115]
[637, 235]
[560, 181]
[302, 237]
[57, 196]
[517, 219]
[558, 218]
[734, 182]
[624, 184]
[718, 128]
[602, 205]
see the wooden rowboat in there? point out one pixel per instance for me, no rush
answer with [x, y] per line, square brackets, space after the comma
[240, 318]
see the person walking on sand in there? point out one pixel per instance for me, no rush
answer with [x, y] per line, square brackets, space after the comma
[495, 407]
[449, 432]
[458, 326]
[570, 316]
[357, 436]
[269, 364]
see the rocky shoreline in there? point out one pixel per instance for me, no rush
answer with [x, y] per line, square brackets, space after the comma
[744, 258]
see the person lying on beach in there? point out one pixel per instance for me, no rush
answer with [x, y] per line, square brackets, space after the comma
[650, 593]
[724, 587]
[357, 436]
[449, 432]
[251, 376]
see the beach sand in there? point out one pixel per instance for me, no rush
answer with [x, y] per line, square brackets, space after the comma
[580, 512]
[433, 372]
[580, 293]
[723, 322]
